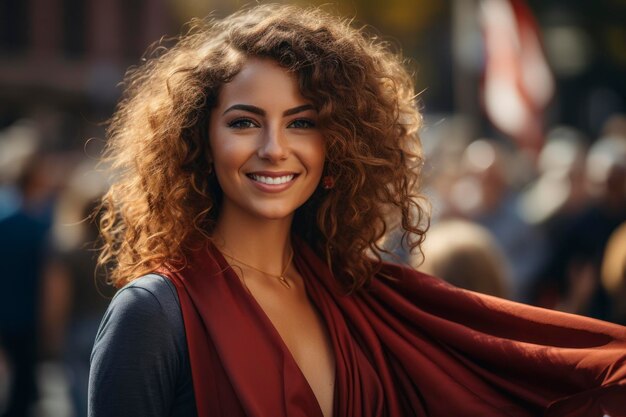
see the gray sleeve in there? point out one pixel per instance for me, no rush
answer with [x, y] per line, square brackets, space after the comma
[138, 353]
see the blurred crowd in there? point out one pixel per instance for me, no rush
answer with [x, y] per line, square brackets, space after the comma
[52, 299]
[545, 229]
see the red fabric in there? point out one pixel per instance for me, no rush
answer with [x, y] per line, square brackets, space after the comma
[407, 346]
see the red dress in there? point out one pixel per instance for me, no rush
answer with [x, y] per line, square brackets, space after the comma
[408, 346]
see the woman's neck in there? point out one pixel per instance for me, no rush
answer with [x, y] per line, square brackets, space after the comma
[263, 243]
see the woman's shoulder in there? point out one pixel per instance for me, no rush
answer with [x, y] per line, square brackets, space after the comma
[141, 349]
[151, 292]
[147, 311]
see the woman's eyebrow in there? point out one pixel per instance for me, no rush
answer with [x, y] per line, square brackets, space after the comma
[257, 110]
[298, 109]
[246, 107]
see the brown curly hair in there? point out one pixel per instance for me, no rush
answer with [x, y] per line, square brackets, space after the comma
[165, 196]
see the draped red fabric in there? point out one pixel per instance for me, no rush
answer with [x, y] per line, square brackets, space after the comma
[408, 345]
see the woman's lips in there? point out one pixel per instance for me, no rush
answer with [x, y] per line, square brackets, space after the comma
[272, 182]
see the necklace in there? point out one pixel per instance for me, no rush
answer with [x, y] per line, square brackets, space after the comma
[281, 278]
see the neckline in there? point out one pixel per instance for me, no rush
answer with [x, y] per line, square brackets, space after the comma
[230, 273]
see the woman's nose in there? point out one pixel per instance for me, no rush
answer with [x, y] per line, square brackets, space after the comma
[273, 146]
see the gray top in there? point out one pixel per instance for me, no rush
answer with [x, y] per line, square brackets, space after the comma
[140, 362]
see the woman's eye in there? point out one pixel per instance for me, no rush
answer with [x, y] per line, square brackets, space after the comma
[302, 124]
[242, 124]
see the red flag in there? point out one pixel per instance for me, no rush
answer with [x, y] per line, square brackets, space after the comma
[517, 82]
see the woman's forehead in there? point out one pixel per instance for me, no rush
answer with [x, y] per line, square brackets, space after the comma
[261, 81]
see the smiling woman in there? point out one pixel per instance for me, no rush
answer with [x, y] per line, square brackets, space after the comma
[361, 101]
[257, 166]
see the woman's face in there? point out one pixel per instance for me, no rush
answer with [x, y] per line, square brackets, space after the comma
[268, 153]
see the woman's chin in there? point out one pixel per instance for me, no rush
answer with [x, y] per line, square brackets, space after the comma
[275, 214]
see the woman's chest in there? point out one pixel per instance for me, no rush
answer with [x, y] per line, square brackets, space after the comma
[304, 334]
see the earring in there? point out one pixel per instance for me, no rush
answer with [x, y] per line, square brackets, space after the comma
[328, 182]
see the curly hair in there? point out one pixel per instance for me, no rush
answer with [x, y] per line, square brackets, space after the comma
[164, 195]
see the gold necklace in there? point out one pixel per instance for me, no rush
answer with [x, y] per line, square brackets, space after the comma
[281, 278]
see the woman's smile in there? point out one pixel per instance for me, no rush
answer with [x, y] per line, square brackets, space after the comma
[272, 182]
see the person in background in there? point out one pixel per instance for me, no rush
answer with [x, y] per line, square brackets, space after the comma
[613, 273]
[466, 255]
[552, 202]
[485, 194]
[578, 256]
[23, 245]
[74, 297]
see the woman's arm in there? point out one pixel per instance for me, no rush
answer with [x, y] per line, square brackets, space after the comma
[139, 353]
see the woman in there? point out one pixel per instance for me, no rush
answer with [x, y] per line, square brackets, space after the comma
[259, 163]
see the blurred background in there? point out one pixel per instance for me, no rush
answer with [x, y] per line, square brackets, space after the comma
[524, 135]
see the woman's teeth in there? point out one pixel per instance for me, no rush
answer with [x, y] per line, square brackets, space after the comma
[272, 180]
